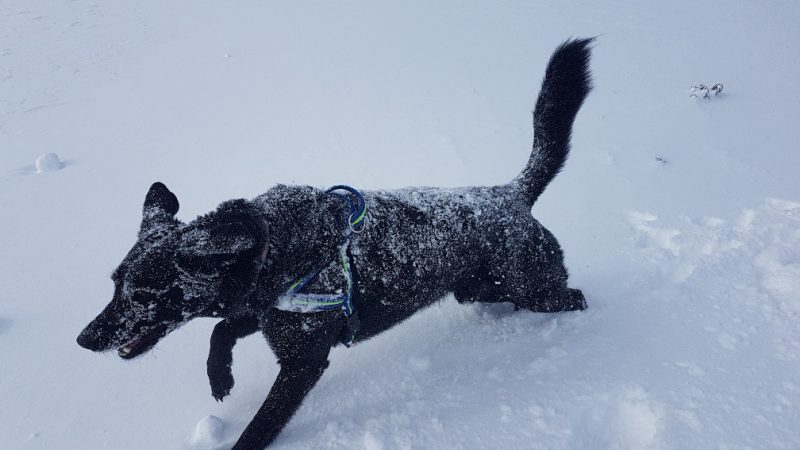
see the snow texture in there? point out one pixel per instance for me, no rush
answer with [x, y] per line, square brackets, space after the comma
[690, 268]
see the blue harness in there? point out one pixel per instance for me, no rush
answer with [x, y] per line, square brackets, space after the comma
[297, 300]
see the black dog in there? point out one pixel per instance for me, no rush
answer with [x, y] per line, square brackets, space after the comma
[313, 268]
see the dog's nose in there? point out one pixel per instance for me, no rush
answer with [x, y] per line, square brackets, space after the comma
[85, 340]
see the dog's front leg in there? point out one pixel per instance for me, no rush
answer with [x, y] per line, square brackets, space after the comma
[220, 352]
[294, 381]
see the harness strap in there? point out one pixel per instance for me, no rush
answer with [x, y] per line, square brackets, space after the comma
[296, 300]
[356, 220]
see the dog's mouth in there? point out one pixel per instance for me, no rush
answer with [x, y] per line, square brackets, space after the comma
[143, 343]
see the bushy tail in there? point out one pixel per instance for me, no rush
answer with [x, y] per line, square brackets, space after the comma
[566, 84]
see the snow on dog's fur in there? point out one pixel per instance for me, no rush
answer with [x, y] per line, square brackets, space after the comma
[419, 244]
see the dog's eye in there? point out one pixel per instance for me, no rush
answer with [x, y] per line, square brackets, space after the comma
[142, 297]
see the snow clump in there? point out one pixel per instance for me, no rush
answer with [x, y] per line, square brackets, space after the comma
[48, 162]
[208, 432]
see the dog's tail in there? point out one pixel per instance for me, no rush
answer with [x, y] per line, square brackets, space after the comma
[566, 84]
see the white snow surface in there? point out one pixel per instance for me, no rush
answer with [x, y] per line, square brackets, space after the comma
[680, 219]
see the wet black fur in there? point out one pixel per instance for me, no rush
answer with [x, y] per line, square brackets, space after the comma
[479, 243]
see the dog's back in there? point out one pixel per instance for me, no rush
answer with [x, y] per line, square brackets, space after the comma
[479, 242]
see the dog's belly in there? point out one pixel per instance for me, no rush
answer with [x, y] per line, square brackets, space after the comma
[380, 309]
[391, 289]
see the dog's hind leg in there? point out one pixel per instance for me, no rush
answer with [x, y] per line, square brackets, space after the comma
[548, 301]
[537, 277]
[220, 352]
[542, 287]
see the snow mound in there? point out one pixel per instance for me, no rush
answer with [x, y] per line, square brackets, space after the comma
[208, 433]
[48, 162]
[627, 419]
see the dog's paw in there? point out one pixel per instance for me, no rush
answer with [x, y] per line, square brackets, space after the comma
[221, 380]
[220, 396]
[553, 301]
[577, 302]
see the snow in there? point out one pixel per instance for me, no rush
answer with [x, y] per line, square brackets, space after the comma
[690, 267]
[48, 162]
[207, 433]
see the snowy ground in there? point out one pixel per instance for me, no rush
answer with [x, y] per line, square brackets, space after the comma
[680, 218]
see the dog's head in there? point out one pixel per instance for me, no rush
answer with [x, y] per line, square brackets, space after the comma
[176, 272]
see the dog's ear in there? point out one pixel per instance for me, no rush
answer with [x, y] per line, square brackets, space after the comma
[161, 199]
[229, 239]
[226, 240]
[160, 206]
